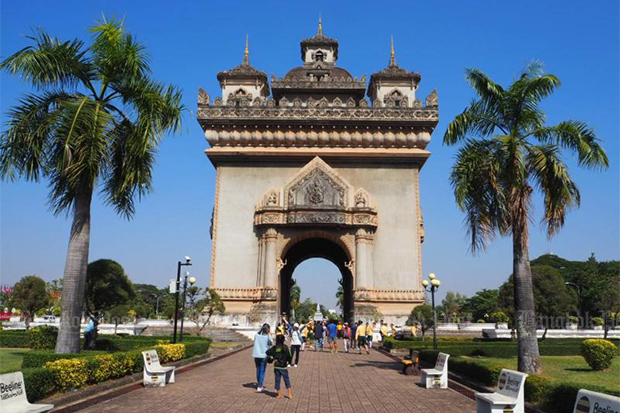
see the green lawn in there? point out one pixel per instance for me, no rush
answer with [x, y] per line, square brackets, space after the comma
[11, 359]
[565, 369]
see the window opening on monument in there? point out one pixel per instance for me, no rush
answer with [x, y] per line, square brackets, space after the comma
[317, 281]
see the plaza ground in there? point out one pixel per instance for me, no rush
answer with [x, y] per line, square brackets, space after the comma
[323, 382]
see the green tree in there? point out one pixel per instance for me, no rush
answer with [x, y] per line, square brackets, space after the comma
[295, 296]
[340, 297]
[507, 152]
[118, 315]
[421, 316]
[211, 304]
[552, 298]
[30, 295]
[96, 120]
[306, 310]
[482, 304]
[452, 303]
[107, 286]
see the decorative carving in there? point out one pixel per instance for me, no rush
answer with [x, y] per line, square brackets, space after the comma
[432, 100]
[360, 200]
[350, 265]
[283, 102]
[311, 102]
[257, 101]
[337, 102]
[272, 199]
[323, 103]
[280, 264]
[316, 218]
[350, 103]
[363, 103]
[376, 103]
[297, 103]
[203, 97]
[316, 189]
[417, 103]
[218, 101]
[271, 103]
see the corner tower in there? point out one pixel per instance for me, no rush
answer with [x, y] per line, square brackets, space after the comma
[310, 168]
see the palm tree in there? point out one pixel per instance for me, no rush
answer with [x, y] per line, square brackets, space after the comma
[95, 120]
[340, 297]
[507, 152]
[295, 296]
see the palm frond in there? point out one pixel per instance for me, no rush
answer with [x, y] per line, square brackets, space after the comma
[31, 127]
[577, 136]
[52, 62]
[551, 177]
[476, 119]
[479, 192]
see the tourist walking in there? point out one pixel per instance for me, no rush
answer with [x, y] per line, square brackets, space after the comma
[331, 337]
[310, 331]
[360, 336]
[370, 329]
[304, 335]
[346, 335]
[354, 344]
[384, 331]
[318, 336]
[281, 357]
[262, 341]
[296, 342]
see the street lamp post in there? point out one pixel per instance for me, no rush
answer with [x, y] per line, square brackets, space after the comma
[192, 281]
[434, 285]
[579, 298]
[176, 298]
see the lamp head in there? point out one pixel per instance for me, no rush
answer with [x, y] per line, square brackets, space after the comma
[192, 280]
[187, 259]
[431, 276]
[425, 283]
[435, 283]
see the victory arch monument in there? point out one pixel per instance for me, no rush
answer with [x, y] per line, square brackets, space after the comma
[317, 163]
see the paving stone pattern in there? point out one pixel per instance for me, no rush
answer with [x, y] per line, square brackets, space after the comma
[323, 382]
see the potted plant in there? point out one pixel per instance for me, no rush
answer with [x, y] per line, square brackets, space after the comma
[501, 319]
[573, 322]
[597, 323]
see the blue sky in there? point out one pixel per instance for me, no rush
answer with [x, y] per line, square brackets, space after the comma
[189, 42]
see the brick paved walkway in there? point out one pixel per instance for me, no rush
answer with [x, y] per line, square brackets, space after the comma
[323, 382]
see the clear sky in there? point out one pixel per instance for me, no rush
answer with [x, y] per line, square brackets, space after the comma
[189, 42]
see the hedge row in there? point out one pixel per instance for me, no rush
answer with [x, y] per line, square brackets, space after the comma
[488, 349]
[46, 373]
[43, 337]
[551, 397]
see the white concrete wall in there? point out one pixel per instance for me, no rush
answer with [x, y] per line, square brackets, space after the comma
[395, 252]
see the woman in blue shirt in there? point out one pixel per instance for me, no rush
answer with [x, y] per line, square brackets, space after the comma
[262, 342]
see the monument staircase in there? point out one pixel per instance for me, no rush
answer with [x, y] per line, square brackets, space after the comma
[222, 334]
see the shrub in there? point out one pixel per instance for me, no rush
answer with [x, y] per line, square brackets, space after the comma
[39, 383]
[69, 373]
[14, 339]
[597, 321]
[573, 319]
[195, 348]
[38, 358]
[598, 353]
[480, 320]
[499, 317]
[42, 337]
[170, 352]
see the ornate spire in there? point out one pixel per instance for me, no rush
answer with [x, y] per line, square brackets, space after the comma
[392, 58]
[320, 25]
[246, 53]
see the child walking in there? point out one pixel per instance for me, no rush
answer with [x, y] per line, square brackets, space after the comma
[281, 356]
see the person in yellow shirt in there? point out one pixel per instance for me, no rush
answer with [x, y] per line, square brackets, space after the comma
[384, 331]
[394, 331]
[414, 330]
[304, 335]
[360, 335]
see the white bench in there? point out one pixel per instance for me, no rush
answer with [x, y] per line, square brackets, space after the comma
[593, 402]
[155, 375]
[13, 395]
[509, 395]
[437, 377]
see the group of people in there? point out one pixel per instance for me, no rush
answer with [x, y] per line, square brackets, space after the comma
[313, 334]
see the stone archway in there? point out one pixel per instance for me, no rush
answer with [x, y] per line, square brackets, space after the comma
[313, 247]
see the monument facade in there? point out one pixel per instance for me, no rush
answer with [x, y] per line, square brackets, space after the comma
[317, 163]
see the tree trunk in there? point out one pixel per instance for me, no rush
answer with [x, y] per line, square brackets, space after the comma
[527, 343]
[74, 280]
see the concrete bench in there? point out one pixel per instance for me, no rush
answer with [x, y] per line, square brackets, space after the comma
[13, 395]
[155, 375]
[593, 402]
[508, 397]
[437, 377]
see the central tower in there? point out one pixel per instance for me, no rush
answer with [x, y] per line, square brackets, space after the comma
[309, 167]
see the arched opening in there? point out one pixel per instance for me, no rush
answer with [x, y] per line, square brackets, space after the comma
[316, 248]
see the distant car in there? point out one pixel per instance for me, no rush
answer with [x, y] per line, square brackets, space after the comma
[49, 318]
